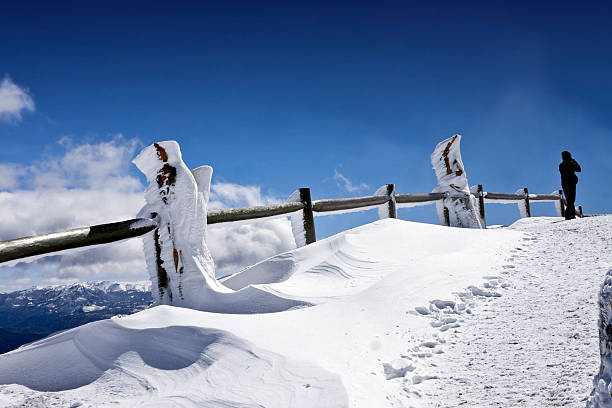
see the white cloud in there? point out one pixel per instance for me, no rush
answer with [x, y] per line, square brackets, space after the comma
[237, 245]
[13, 100]
[9, 175]
[229, 194]
[92, 184]
[344, 182]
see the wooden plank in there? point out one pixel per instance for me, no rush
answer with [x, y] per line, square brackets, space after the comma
[543, 197]
[74, 238]
[503, 196]
[418, 198]
[347, 203]
[249, 213]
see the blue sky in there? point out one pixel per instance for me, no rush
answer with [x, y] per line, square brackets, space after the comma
[277, 97]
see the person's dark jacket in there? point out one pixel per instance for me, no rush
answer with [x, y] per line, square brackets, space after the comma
[567, 168]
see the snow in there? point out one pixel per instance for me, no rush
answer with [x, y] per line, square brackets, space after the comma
[92, 308]
[389, 314]
[536, 345]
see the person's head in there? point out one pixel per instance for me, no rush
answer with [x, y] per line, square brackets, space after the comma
[566, 155]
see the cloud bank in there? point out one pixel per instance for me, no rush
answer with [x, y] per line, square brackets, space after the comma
[13, 101]
[89, 184]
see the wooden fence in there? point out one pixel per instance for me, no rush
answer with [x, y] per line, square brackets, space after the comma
[300, 203]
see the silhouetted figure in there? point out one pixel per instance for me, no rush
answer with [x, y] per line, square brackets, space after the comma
[567, 168]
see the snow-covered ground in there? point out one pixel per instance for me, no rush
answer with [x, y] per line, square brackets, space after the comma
[537, 345]
[392, 313]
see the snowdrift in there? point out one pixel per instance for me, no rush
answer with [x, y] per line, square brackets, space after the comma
[346, 311]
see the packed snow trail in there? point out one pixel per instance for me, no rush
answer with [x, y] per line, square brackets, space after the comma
[537, 345]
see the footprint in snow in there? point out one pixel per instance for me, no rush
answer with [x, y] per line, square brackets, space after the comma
[417, 379]
[397, 368]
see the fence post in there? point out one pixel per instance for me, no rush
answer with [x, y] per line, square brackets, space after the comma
[390, 210]
[309, 225]
[524, 208]
[479, 193]
[600, 396]
[443, 214]
[302, 223]
[560, 205]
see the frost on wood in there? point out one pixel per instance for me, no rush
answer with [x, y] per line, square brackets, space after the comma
[302, 222]
[452, 180]
[297, 221]
[601, 396]
[523, 205]
[387, 210]
[479, 204]
[179, 262]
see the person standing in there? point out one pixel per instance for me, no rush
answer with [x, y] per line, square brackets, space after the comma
[568, 169]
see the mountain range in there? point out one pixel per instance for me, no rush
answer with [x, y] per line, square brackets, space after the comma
[31, 314]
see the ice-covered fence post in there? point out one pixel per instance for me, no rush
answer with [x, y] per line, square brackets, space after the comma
[478, 192]
[602, 383]
[560, 205]
[442, 212]
[388, 210]
[523, 205]
[178, 260]
[452, 180]
[302, 223]
[446, 217]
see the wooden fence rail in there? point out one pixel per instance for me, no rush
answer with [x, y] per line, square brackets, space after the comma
[249, 213]
[106, 233]
[74, 238]
[340, 204]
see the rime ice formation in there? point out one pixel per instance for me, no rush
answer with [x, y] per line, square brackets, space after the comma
[522, 204]
[601, 396]
[297, 221]
[452, 180]
[178, 260]
[383, 210]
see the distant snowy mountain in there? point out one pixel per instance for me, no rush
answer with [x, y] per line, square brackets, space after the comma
[30, 314]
